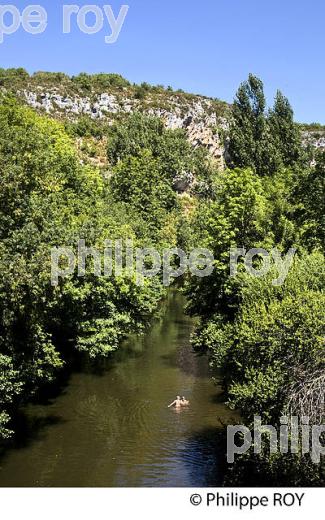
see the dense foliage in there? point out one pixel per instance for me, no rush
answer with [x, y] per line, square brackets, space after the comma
[156, 189]
[267, 340]
[264, 141]
[49, 199]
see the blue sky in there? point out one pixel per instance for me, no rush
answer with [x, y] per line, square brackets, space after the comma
[203, 46]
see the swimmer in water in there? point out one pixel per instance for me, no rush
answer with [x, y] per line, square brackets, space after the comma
[184, 402]
[177, 403]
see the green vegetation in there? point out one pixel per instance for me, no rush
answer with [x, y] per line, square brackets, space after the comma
[153, 187]
[84, 85]
[181, 162]
[19, 78]
[264, 141]
[49, 199]
[266, 340]
[312, 127]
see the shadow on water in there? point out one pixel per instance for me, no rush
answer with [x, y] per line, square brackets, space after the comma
[107, 424]
[219, 397]
[28, 431]
[204, 447]
[188, 365]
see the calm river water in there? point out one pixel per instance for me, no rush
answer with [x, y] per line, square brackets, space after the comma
[111, 426]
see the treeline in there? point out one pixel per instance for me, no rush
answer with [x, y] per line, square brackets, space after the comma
[48, 198]
[268, 341]
[84, 84]
[157, 190]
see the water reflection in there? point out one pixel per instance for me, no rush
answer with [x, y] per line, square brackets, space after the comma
[111, 426]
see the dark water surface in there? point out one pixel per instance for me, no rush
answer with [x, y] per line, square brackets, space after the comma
[112, 427]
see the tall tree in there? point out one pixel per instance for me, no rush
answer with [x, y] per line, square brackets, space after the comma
[250, 143]
[284, 131]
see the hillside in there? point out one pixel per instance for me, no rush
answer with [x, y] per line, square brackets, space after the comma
[106, 98]
[104, 209]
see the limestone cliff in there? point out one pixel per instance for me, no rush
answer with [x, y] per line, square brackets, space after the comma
[110, 97]
[200, 117]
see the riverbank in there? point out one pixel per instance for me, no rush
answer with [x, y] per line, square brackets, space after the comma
[110, 425]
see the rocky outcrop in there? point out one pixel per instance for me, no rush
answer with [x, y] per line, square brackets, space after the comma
[197, 115]
[314, 138]
[203, 126]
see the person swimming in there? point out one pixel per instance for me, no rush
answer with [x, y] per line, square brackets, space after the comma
[177, 403]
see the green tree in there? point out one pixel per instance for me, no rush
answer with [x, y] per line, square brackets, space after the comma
[140, 182]
[285, 132]
[237, 216]
[179, 162]
[48, 199]
[309, 195]
[250, 140]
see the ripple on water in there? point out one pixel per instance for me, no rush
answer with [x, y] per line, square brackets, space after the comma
[116, 427]
[138, 417]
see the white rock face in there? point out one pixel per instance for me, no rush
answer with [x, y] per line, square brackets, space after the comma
[196, 116]
[316, 139]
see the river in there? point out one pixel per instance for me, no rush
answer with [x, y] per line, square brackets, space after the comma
[110, 426]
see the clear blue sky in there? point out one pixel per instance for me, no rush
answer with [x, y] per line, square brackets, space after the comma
[202, 46]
